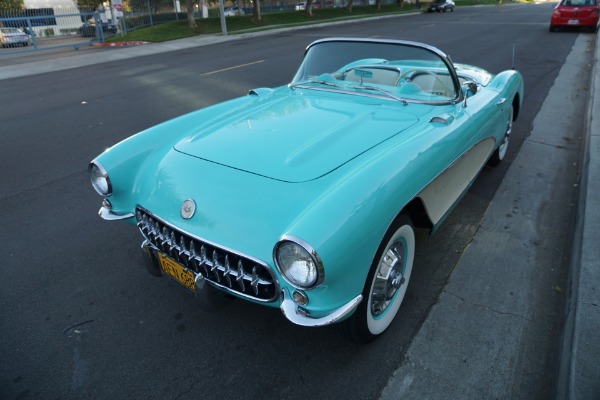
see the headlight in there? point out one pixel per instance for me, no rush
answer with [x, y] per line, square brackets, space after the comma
[298, 263]
[99, 179]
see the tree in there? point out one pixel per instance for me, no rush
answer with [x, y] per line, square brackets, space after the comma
[349, 6]
[157, 5]
[309, 6]
[190, 14]
[12, 5]
[153, 5]
[88, 5]
[256, 10]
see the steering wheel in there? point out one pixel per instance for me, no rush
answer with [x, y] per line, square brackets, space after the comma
[409, 75]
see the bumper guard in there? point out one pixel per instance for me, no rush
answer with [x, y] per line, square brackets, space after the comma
[299, 317]
[107, 214]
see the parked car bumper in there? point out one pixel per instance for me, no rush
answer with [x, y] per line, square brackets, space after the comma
[558, 21]
[15, 42]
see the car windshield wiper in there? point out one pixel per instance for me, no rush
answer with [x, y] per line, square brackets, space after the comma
[380, 90]
[363, 87]
[313, 80]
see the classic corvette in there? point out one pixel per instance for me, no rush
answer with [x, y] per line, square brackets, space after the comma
[306, 197]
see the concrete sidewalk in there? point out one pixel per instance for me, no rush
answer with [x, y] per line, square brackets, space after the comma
[48, 61]
[489, 294]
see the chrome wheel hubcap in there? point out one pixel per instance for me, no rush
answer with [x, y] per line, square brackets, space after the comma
[388, 278]
[504, 145]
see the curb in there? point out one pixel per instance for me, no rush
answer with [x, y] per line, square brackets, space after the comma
[578, 347]
[120, 44]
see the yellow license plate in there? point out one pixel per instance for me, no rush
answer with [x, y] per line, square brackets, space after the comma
[177, 271]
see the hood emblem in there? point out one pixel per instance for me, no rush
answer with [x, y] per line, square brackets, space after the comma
[188, 208]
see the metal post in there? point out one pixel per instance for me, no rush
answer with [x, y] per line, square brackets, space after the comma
[150, 12]
[32, 34]
[99, 30]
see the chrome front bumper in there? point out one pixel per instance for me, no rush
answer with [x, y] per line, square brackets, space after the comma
[107, 214]
[301, 317]
[290, 310]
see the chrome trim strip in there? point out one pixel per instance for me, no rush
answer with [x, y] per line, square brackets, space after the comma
[105, 212]
[299, 317]
[440, 120]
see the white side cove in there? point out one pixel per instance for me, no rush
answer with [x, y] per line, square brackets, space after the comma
[441, 194]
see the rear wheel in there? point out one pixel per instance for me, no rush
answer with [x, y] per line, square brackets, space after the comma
[386, 283]
[500, 152]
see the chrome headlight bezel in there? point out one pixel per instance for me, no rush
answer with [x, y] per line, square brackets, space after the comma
[292, 270]
[99, 179]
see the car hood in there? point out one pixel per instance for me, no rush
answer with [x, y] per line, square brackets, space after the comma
[296, 136]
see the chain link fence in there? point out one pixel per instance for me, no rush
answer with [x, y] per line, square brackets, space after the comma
[47, 28]
[32, 30]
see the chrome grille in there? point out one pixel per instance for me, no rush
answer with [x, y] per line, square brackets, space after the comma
[223, 267]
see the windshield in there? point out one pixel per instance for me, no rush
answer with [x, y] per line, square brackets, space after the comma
[395, 70]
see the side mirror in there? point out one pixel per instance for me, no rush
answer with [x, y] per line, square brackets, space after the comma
[468, 89]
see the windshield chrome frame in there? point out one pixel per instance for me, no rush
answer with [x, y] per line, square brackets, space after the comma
[443, 56]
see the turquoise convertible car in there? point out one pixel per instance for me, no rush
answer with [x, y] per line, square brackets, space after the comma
[306, 197]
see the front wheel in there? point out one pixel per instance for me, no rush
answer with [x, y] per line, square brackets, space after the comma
[386, 283]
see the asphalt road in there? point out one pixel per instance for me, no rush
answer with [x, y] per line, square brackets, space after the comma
[80, 316]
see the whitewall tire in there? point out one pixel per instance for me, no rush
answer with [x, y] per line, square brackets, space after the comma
[386, 283]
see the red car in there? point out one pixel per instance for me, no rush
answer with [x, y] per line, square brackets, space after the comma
[575, 13]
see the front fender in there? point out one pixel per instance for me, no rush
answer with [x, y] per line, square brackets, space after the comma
[130, 161]
[510, 84]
